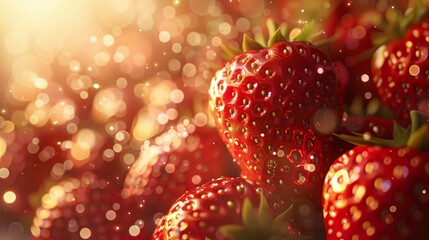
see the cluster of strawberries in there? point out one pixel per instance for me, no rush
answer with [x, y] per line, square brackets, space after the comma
[281, 110]
[276, 106]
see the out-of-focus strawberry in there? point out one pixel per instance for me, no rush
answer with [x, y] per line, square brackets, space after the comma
[163, 172]
[224, 209]
[401, 71]
[86, 208]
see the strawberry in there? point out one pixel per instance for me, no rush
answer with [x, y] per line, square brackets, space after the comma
[380, 191]
[45, 155]
[223, 209]
[87, 207]
[159, 176]
[400, 71]
[275, 108]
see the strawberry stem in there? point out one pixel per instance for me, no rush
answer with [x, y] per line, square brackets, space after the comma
[276, 37]
[416, 136]
[397, 23]
[258, 223]
[420, 139]
[276, 34]
[250, 44]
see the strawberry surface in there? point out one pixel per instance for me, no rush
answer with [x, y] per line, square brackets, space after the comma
[377, 193]
[401, 71]
[275, 109]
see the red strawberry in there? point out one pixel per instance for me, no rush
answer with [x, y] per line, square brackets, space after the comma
[44, 155]
[86, 208]
[401, 69]
[222, 209]
[275, 108]
[380, 192]
[159, 176]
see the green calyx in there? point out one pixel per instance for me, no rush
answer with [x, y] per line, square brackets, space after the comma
[396, 23]
[394, 26]
[415, 136]
[257, 223]
[276, 34]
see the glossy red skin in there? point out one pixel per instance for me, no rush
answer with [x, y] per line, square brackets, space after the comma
[193, 212]
[377, 193]
[399, 87]
[267, 120]
[201, 157]
[98, 196]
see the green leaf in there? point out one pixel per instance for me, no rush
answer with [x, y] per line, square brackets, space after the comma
[264, 216]
[401, 134]
[415, 121]
[249, 216]
[276, 37]
[415, 136]
[306, 32]
[235, 231]
[284, 29]
[229, 51]
[271, 26]
[420, 139]
[260, 38]
[250, 44]
[281, 221]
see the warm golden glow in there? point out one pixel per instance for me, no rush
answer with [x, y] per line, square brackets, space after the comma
[9, 197]
[3, 147]
[145, 125]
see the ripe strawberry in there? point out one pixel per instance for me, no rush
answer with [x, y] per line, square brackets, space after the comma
[160, 176]
[85, 208]
[400, 70]
[223, 209]
[275, 109]
[380, 192]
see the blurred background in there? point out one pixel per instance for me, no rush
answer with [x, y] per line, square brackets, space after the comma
[85, 82]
